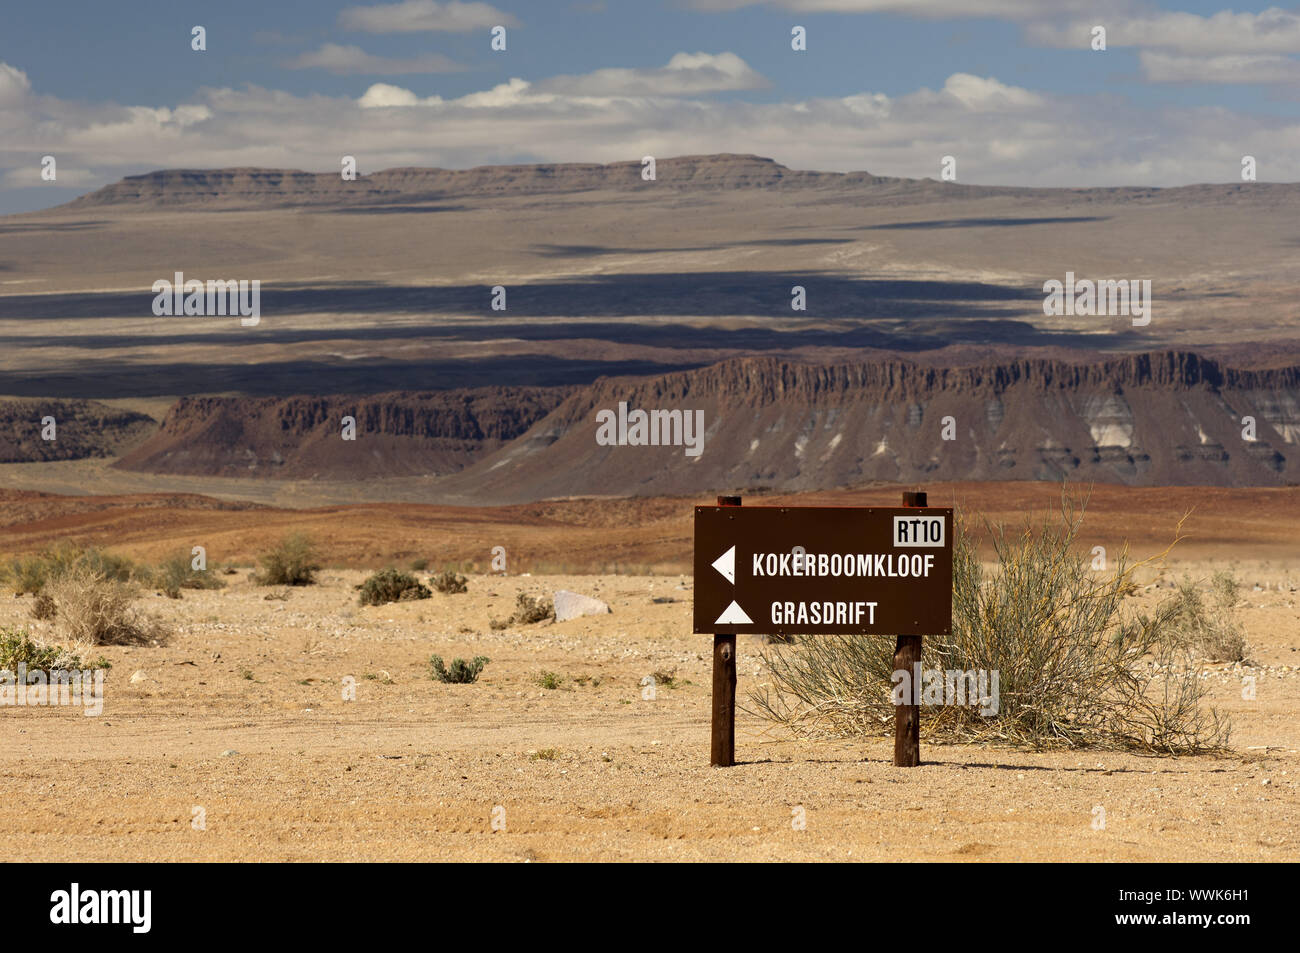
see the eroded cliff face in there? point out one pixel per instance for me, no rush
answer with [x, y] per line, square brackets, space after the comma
[81, 429]
[1164, 418]
[399, 434]
[1161, 418]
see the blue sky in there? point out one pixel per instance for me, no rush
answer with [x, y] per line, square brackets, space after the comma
[1009, 87]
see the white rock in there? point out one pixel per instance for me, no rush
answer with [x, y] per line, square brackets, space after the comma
[570, 605]
[139, 677]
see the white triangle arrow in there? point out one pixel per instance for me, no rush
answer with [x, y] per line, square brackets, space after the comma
[726, 564]
[734, 615]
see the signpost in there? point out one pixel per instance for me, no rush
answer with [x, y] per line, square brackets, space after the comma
[850, 570]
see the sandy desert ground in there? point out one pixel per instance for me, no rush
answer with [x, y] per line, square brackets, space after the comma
[241, 714]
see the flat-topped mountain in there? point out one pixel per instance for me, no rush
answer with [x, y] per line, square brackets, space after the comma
[253, 188]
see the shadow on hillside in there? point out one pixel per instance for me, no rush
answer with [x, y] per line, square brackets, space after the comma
[28, 227]
[108, 379]
[703, 294]
[592, 251]
[226, 332]
[985, 222]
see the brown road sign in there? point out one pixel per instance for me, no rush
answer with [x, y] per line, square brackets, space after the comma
[823, 570]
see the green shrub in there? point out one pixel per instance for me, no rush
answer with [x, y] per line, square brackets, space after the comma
[391, 585]
[460, 673]
[18, 648]
[448, 582]
[291, 563]
[31, 573]
[25, 574]
[178, 572]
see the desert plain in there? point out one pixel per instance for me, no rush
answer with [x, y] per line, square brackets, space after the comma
[241, 714]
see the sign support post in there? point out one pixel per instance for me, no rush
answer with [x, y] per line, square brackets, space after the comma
[722, 749]
[907, 658]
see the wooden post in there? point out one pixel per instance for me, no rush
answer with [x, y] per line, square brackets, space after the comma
[722, 749]
[907, 656]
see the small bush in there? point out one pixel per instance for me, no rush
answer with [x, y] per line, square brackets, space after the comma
[527, 611]
[668, 679]
[291, 563]
[391, 585]
[1226, 589]
[178, 573]
[33, 573]
[44, 607]
[1208, 629]
[25, 574]
[549, 680]
[18, 648]
[449, 583]
[419, 565]
[93, 608]
[460, 673]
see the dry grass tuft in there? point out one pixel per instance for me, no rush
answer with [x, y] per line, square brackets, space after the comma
[96, 609]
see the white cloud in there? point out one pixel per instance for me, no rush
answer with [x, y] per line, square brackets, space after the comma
[14, 86]
[920, 8]
[419, 16]
[685, 74]
[382, 95]
[1068, 24]
[1267, 70]
[352, 59]
[984, 94]
[1226, 32]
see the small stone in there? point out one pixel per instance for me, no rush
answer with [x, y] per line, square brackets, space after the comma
[139, 677]
[229, 753]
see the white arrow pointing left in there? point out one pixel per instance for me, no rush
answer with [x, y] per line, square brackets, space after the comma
[726, 564]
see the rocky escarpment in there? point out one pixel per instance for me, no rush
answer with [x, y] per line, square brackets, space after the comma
[1163, 418]
[79, 429]
[1171, 418]
[399, 434]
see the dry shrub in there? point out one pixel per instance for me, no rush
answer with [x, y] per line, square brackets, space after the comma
[449, 583]
[391, 585]
[1208, 627]
[178, 572]
[96, 609]
[30, 573]
[44, 607]
[527, 611]
[291, 563]
[1076, 668]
